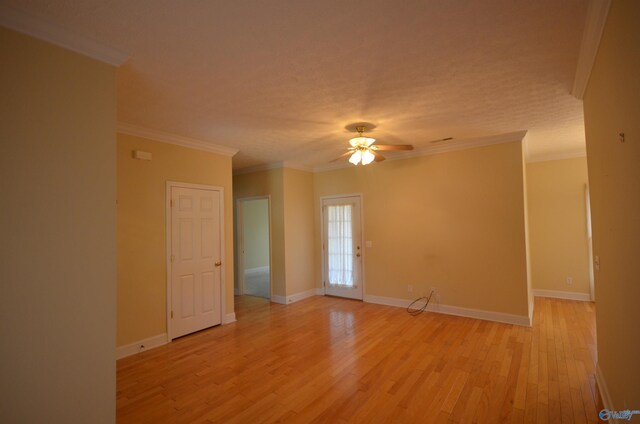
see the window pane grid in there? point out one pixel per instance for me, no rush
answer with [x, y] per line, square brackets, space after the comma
[340, 245]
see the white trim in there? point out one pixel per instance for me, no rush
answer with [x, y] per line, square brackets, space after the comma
[455, 310]
[319, 291]
[178, 140]
[302, 295]
[272, 165]
[557, 156]
[454, 145]
[597, 12]
[604, 392]
[286, 300]
[279, 299]
[223, 302]
[387, 301]
[141, 345]
[229, 318]
[584, 297]
[257, 270]
[60, 36]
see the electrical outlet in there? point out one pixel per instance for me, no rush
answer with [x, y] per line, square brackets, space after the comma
[141, 347]
[570, 281]
[410, 288]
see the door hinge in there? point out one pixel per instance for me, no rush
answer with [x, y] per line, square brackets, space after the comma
[171, 314]
[171, 203]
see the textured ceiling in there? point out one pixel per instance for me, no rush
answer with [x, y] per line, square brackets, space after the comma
[279, 80]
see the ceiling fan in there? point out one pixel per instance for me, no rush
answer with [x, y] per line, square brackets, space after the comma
[363, 150]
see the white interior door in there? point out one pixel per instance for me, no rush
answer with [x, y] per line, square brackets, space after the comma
[195, 260]
[342, 246]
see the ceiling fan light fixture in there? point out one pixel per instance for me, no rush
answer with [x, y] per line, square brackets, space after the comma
[355, 157]
[367, 157]
[363, 151]
[361, 141]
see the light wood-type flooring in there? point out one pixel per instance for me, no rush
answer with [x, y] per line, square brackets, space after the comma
[334, 360]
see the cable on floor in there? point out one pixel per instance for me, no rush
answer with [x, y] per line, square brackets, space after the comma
[413, 310]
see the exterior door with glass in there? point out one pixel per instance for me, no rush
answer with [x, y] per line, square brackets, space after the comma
[342, 246]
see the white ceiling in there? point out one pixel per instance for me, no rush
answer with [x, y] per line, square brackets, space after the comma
[279, 80]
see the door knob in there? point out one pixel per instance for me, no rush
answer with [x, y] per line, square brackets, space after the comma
[218, 263]
[358, 254]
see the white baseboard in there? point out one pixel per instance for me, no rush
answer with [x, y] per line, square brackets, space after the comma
[388, 301]
[584, 297]
[320, 291]
[278, 299]
[604, 392]
[229, 318]
[454, 310]
[137, 347]
[294, 297]
[302, 295]
[258, 270]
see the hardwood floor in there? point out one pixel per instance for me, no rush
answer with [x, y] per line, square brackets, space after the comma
[334, 360]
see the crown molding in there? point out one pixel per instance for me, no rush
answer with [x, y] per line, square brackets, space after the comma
[272, 165]
[61, 37]
[557, 156]
[192, 143]
[597, 12]
[454, 145]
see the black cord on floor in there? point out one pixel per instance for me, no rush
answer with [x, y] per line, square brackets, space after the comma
[417, 311]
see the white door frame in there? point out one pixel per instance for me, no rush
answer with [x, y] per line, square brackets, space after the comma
[240, 241]
[169, 186]
[362, 238]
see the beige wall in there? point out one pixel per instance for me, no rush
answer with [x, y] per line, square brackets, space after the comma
[267, 183]
[453, 220]
[299, 231]
[142, 284]
[292, 235]
[58, 253]
[612, 105]
[255, 218]
[558, 224]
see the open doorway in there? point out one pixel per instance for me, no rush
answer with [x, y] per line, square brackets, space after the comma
[254, 258]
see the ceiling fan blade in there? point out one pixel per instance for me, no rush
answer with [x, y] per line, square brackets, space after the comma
[341, 156]
[379, 157]
[394, 147]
